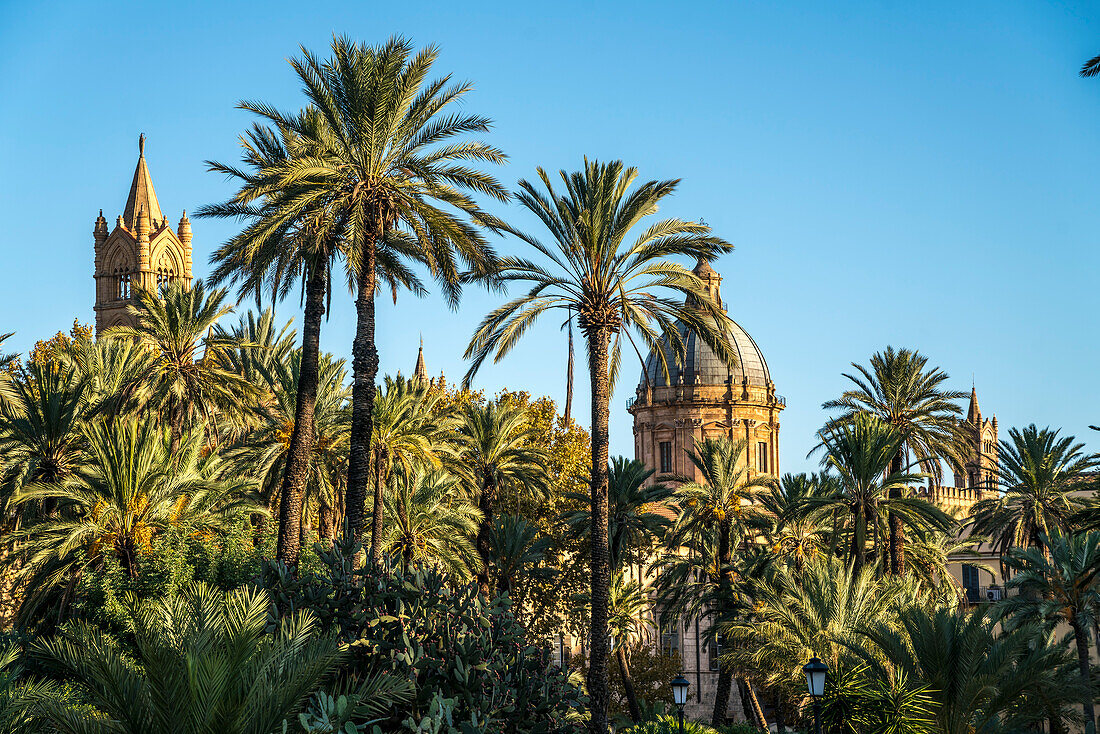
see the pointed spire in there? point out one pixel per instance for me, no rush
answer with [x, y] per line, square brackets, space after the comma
[974, 414]
[142, 195]
[420, 373]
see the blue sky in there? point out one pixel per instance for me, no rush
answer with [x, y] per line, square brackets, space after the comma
[919, 174]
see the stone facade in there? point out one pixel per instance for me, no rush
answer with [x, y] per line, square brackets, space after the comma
[141, 252]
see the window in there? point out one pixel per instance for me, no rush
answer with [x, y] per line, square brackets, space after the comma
[762, 456]
[971, 583]
[164, 279]
[714, 649]
[666, 457]
[670, 638]
[122, 285]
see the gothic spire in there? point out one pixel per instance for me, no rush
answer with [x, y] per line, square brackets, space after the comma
[420, 372]
[974, 414]
[142, 195]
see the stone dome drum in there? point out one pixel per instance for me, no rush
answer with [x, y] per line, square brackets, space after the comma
[701, 366]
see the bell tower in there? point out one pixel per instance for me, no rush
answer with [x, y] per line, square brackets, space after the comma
[980, 470]
[141, 252]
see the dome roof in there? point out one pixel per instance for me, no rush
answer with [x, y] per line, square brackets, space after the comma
[702, 366]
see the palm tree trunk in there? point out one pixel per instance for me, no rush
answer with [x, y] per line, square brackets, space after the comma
[858, 554]
[628, 685]
[376, 516]
[897, 530]
[599, 338]
[1081, 637]
[326, 519]
[757, 709]
[365, 369]
[302, 437]
[721, 695]
[486, 504]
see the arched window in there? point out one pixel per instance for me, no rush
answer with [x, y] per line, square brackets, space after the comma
[165, 276]
[122, 284]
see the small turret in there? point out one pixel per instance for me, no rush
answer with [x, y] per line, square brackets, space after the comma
[184, 231]
[420, 372]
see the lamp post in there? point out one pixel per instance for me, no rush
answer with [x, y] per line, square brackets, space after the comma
[815, 671]
[680, 696]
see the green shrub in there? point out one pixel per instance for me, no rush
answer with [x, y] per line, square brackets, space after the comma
[669, 724]
[470, 661]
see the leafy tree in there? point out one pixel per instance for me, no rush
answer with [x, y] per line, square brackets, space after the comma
[610, 284]
[1057, 583]
[203, 661]
[49, 353]
[1039, 473]
[187, 383]
[863, 453]
[430, 526]
[285, 243]
[392, 170]
[496, 453]
[517, 552]
[132, 488]
[902, 391]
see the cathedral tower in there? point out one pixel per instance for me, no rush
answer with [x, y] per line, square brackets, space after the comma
[141, 252]
[980, 470]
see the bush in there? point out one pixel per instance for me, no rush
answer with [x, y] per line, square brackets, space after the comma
[469, 659]
[651, 670]
[669, 724]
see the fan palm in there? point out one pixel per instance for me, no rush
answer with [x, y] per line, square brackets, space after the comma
[634, 518]
[203, 661]
[975, 674]
[408, 430]
[284, 244]
[609, 278]
[862, 452]
[905, 393]
[40, 437]
[392, 170]
[1039, 473]
[430, 523]
[496, 451]
[187, 382]
[516, 550]
[1057, 583]
[132, 488]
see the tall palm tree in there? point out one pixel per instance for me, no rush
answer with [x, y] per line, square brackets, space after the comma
[408, 430]
[283, 245]
[107, 367]
[795, 528]
[430, 524]
[187, 383]
[608, 275]
[132, 488]
[496, 451]
[203, 661]
[900, 388]
[1057, 583]
[393, 172]
[719, 504]
[634, 517]
[40, 432]
[1039, 473]
[863, 453]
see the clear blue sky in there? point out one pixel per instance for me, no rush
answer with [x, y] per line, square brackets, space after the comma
[920, 174]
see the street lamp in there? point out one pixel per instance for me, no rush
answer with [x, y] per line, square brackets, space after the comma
[680, 696]
[815, 671]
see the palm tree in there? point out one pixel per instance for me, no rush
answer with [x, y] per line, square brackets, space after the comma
[392, 171]
[19, 697]
[132, 488]
[517, 550]
[284, 244]
[408, 430]
[108, 367]
[1091, 67]
[1057, 583]
[7, 363]
[904, 392]
[496, 451]
[187, 383]
[611, 284]
[203, 661]
[628, 603]
[794, 528]
[976, 675]
[1040, 474]
[264, 451]
[862, 452]
[40, 437]
[430, 524]
[634, 517]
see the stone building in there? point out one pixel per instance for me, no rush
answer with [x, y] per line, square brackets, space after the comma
[141, 252]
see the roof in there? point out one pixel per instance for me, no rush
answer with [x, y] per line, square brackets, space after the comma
[142, 196]
[702, 366]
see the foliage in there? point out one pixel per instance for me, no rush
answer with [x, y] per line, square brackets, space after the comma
[669, 724]
[856, 702]
[202, 661]
[49, 353]
[650, 672]
[469, 659]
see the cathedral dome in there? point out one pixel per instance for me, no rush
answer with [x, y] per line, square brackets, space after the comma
[703, 367]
